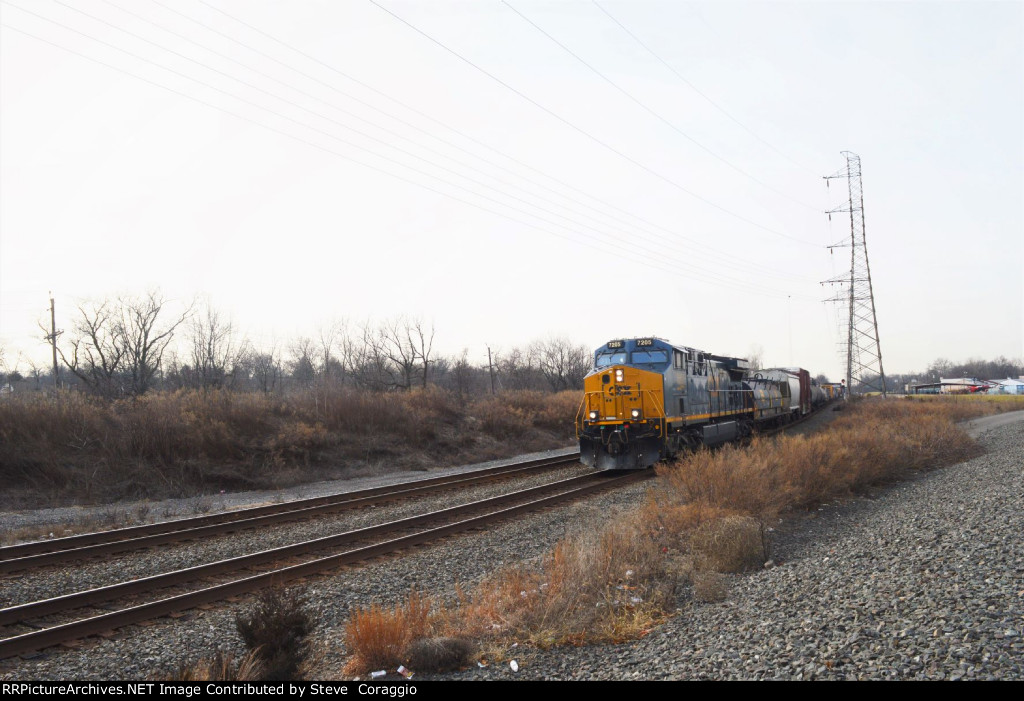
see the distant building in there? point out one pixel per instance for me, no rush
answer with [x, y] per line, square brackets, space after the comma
[1008, 386]
[952, 385]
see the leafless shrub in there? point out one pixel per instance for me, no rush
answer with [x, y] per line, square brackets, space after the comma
[275, 630]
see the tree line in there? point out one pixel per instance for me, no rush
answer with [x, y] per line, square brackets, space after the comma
[130, 345]
[1000, 368]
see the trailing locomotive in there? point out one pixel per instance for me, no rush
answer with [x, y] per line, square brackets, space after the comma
[647, 400]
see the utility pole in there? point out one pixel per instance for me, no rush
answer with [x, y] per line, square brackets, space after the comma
[52, 338]
[490, 368]
[863, 347]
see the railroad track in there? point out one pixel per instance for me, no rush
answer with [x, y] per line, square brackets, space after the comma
[369, 542]
[794, 424]
[71, 548]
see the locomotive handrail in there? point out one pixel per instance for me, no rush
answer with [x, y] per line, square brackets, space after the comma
[661, 410]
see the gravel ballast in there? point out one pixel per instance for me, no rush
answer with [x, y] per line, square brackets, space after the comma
[923, 581]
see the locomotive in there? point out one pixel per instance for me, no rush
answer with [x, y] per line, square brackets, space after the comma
[647, 399]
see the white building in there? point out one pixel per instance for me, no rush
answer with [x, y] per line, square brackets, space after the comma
[1008, 386]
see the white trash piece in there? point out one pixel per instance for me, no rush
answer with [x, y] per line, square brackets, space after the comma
[514, 665]
[378, 674]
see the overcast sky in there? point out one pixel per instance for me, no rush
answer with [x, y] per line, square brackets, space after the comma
[515, 171]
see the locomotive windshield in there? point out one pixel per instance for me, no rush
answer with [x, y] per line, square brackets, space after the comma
[651, 356]
[603, 360]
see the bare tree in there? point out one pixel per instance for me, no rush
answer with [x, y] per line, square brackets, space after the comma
[388, 356]
[9, 373]
[144, 337]
[562, 364]
[422, 344]
[517, 369]
[302, 367]
[462, 373]
[97, 348]
[215, 349]
[36, 372]
[334, 352]
[755, 356]
[265, 368]
[395, 342]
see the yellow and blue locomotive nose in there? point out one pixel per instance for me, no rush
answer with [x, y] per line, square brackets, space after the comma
[621, 393]
[621, 418]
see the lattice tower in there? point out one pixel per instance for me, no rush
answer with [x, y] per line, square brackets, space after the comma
[863, 349]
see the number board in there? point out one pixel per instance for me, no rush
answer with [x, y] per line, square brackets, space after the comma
[615, 344]
[641, 342]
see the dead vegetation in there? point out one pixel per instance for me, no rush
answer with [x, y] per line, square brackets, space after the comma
[222, 667]
[275, 630]
[704, 520]
[380, 637]
[78, 448]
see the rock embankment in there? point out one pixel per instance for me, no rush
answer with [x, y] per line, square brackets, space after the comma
[923, 581]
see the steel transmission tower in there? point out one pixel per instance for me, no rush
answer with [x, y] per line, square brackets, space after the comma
[863, 349]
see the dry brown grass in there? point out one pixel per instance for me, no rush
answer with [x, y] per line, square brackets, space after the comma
[79, 448]
[379, 637]
[710, 587]
[730, 544]
[705, 517]
[871, 443]
[596, 586]
[223, 667]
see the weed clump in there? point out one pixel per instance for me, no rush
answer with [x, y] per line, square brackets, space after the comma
[223, 667]
[710, 587]
[730, 544]
[439, 654]
[274, 630]
[379, 637]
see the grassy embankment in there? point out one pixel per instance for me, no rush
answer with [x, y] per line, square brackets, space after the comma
[707, 515]
[78, 449]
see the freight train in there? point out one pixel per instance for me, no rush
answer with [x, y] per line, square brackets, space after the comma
[647, 400]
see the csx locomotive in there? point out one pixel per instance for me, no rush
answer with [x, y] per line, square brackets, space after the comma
[648, 399]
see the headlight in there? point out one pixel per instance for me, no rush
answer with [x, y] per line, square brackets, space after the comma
[635, 413]
[618, 375]
[593, 416]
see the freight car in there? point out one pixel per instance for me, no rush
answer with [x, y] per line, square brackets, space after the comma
[647, 400]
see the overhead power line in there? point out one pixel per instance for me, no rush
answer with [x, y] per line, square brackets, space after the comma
[720, 255]
[590, 136]
[705, 272]
[619, 252]
[697, 90]
[647, 108]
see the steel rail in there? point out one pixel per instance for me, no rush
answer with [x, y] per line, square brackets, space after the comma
[47, 637]
[98, 595]
[37, 553]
